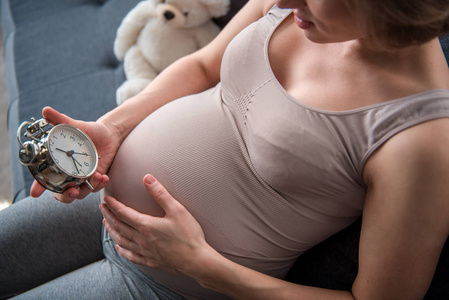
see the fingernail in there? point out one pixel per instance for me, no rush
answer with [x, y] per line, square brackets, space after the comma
[149, 179]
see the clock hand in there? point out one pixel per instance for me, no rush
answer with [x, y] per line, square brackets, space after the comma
[68, 153]
[62, 150]
[84, 153]
[75, 165]
[74, 159]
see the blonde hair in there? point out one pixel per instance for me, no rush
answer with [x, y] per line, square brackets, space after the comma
[394, 24]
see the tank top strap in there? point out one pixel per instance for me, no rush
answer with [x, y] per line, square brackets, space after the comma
[279, 13]
[382, 122]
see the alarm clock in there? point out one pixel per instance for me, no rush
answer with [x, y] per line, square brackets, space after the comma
[58, 157]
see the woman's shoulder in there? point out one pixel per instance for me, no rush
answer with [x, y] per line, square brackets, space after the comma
[419, 151]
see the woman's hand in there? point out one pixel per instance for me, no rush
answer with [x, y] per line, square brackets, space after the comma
[107, 142]
[168, 243]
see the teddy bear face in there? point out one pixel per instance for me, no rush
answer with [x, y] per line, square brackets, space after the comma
[183, 13]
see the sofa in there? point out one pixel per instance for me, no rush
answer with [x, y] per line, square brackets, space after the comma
[59, 53]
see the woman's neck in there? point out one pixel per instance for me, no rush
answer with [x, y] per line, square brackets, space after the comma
[423, 66]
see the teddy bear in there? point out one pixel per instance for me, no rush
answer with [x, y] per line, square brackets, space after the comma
[155, 33]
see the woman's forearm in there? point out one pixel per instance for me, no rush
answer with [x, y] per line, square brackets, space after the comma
[184, 77]
[238, 282]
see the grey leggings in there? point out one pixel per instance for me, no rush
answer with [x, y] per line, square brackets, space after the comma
[50, 250]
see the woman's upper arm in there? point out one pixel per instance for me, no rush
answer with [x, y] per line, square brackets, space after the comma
[406, 214]
[211, 55]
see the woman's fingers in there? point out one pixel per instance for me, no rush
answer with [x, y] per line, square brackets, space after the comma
[101, 184]
[68, 196]
[55, 117]
[36, 189]
[159, 194]
[123, 219]
[118, 237]
[123, 234]
[125, 214]
[131, 256]
[97, 182]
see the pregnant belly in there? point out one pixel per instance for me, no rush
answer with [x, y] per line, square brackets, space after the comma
[194, 149]
[191, 147]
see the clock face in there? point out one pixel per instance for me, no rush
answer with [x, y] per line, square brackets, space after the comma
[72, 151]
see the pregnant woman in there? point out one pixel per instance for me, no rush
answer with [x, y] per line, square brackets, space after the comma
[298, 118]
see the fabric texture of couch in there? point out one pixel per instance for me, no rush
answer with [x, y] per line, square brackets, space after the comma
[60, 53]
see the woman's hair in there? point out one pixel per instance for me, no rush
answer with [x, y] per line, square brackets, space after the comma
[393, 24]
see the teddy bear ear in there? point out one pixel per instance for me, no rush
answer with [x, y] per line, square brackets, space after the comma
[217, 8]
